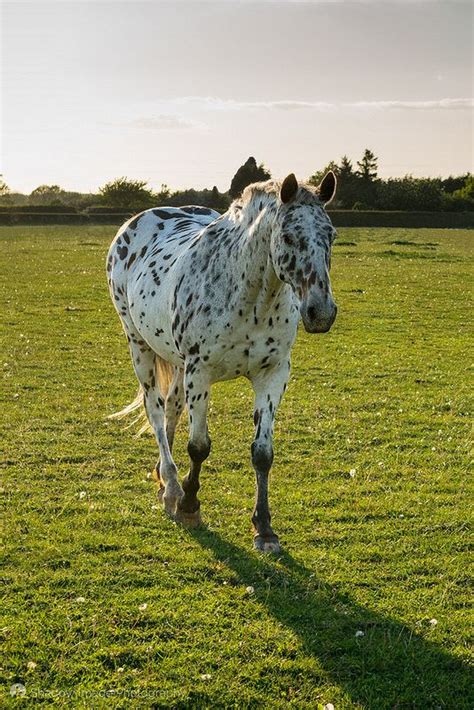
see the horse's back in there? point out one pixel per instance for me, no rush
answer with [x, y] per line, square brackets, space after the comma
[153, 236]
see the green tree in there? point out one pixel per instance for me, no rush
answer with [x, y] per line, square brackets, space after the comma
[207, 198]
[461, 200]
[347, 184]
[247, 174]
[218, 200]
[4, 189]
[47, 190]
[367, 166]
[409, 193]
[345, 170]
[184, 197]
[467, 192]
[163, 196]
[130, 194]
[454, 183]
[316, 177]
[47, 195]
[6, 197]
[367, 185]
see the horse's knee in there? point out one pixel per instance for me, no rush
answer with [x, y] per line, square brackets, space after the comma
[262, 456]
[199, 450]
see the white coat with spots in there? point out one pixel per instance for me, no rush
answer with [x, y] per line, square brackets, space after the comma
[205, 297]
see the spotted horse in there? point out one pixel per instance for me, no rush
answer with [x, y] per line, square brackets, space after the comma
[205, 297]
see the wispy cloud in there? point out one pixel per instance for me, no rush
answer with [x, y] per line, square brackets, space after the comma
[212, 103]
[438, 104]
[163, 122]
[182, 110]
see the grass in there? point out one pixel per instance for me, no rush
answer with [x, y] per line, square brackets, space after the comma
[369, 495]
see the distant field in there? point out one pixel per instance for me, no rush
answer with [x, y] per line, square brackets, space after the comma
[369, 494]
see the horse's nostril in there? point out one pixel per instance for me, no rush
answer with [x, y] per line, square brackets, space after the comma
[311, 312]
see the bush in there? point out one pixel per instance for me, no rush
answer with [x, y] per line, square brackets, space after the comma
[131, 194]
[455, 202]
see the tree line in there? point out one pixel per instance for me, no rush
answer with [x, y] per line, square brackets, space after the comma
[359, 188]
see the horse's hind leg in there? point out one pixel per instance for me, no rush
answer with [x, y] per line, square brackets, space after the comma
[144, 364]
[174, 406]
[199, 446]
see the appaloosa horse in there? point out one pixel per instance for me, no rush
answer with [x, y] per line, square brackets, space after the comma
[205, 297]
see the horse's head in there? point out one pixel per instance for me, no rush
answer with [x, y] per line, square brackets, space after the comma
[301, 249]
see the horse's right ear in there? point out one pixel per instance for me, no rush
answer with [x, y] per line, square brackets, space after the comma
[289, 188]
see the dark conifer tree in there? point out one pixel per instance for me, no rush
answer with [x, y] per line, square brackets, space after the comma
[248, 173]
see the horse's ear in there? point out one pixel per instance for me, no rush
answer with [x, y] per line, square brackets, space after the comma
[289, 188]
[327, 188]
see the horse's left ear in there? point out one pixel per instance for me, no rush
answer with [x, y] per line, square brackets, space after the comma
[327, 188]
[289, 188]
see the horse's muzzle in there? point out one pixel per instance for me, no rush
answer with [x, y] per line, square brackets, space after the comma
[316, 320]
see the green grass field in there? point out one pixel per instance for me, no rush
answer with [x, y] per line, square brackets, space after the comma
[369, 493]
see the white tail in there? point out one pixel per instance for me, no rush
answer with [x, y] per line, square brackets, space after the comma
[164, 374]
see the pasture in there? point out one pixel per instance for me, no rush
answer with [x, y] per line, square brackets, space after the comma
[110, 604]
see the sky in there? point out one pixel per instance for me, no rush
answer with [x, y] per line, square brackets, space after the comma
[183, 92]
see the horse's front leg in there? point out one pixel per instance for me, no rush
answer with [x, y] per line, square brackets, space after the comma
[269, 387]
[197, 387]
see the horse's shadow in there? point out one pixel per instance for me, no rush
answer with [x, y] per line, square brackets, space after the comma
[389, 666]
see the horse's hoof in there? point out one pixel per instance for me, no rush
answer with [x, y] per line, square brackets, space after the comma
[267, 544]
[170, 502]
[169, 496]
[169, 505]
[189, 520]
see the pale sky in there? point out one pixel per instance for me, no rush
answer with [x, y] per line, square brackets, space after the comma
[183, 92]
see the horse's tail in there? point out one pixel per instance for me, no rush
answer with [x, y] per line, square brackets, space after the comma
[164, 374]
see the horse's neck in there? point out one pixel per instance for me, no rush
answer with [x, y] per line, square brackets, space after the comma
[258, 277]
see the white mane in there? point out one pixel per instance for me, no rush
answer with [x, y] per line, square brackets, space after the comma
[264, 194]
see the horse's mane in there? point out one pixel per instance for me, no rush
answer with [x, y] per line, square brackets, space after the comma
[269, 187]
[267, 192]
